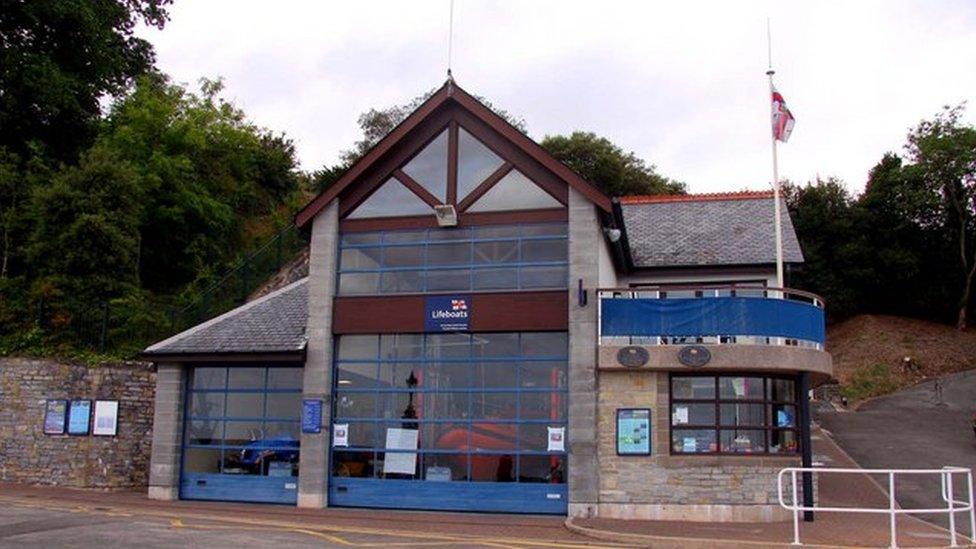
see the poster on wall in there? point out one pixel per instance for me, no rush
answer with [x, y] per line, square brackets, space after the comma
[312, 416]
[54, 417]
[634, 432]
[106, 418]
[340, 435]
[557, 439]
[404, 463]
[447, 313]
[79, 417]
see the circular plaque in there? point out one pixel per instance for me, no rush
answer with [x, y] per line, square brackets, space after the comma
[694, 355]
[633, 357]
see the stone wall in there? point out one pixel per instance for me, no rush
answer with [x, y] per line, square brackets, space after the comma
[666, 487]
[27, 455]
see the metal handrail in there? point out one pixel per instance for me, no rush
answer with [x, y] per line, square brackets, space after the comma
[784, 292]
[946, 474]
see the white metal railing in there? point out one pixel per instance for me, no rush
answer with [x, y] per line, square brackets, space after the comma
[946, 474]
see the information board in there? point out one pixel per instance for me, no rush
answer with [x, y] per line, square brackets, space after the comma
[79, 417]
[447, 313]
[633, 432]
[312, 416]
[54, 417]
[400, 462]
[106, 418]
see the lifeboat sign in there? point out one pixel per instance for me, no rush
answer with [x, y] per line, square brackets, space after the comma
[447, 313]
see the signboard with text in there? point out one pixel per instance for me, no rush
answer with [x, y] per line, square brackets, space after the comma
[312, 416]
[633, 432]
[447, 313]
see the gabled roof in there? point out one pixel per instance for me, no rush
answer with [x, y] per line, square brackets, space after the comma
[273, 324]
[724, 229]
[450, 92]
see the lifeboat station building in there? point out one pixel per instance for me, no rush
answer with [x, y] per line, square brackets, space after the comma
[483, 330]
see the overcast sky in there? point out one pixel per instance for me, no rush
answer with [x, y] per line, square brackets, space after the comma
[682, 84]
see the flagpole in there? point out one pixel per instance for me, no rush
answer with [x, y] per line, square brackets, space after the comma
[776, 207]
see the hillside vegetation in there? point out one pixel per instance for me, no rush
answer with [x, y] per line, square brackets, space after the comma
[869, 353]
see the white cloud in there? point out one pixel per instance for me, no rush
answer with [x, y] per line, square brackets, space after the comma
[682, 85]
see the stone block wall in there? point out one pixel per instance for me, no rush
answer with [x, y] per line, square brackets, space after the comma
[27, 455]
[666, 487]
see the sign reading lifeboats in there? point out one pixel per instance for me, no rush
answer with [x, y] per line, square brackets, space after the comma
[447, 313]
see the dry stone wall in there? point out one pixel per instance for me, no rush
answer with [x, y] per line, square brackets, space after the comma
[27, 455]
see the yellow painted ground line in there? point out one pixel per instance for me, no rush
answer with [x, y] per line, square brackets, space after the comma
[455, 538]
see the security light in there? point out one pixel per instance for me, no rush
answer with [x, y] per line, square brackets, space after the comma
[612, 233]
[446, 215]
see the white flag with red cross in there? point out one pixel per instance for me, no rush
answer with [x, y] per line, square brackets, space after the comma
[782, 118]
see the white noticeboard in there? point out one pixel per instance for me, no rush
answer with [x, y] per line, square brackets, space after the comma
[680, 416]
[106, 417]
[557, 439]
[340, 435]
[401, 462]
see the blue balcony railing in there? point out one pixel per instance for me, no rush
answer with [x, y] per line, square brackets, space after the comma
[729, 314]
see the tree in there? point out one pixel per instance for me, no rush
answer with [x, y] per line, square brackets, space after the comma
[58, 59]
[616, 172]
[943, 150]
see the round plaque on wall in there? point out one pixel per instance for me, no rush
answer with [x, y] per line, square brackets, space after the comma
[694, 355]
[633, 357]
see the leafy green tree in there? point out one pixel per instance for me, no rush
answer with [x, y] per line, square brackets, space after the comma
[943, 151]
[58, 59]
[617, 172]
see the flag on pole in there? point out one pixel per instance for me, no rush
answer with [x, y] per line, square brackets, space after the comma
[782, 118]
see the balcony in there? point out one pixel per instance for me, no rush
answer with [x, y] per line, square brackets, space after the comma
[711, 315]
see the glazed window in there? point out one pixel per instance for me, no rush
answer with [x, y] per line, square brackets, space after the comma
[736, 414]
[508, 257]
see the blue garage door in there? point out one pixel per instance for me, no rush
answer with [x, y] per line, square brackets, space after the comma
[471, 422]
[241, 435]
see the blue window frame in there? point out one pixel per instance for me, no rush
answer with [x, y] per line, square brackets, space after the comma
[241, 433]
[481, 407]
[503, 257]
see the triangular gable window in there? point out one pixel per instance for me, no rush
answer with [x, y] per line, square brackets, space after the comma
[475, 163]
[391, 199]
[514, 192]
[429, 167]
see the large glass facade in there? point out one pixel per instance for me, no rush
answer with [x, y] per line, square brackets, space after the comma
[501, 257]
[242, 421]
[455, 408]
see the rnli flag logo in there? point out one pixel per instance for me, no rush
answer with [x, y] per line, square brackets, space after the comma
[459, 305]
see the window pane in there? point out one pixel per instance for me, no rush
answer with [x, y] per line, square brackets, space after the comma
[356, 405]
[494, 436]
[403, 256]
[358, 347]
[475, 163]
[399, 405]
[443, 281]
[494, 405]
[493, 468]
[692, 387]
[543, 374]
[390, 200]
[403, 237]
[740, 387]
[445, 436]
[446, 234]
[209, 378]
[352, 464]
[358, 283]
[693, 414]
[543, 277]
[743, 414]
[535, 436]
[545, 229]
[547, 344]
[246, 378]
[783, 415]
[354, 239]
[400, 375]
[401, 346]
[514, 192]
[239, 433]
[449, 254]
[693, 441]
[447, 375]
[445, 467]
[447, 405]
[781, 390]
[284, 405]
[495, 345]
[245, 405]
[201, 460]
[205, 431]
[505, 251]
[494, 279]
[496, 375]
[363, 434]
[285, 378]
[551, 406]
[354, 375]
[429, 167]
[281, 433]
[360, 258]
[783, 442]
[544, 250]
[206, 404]
[448, 346]
[544, 469]
[498, 231]
[743, 441]
[403, 281]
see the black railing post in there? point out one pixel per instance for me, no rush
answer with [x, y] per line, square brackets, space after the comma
[806, 457]
[103, 333]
